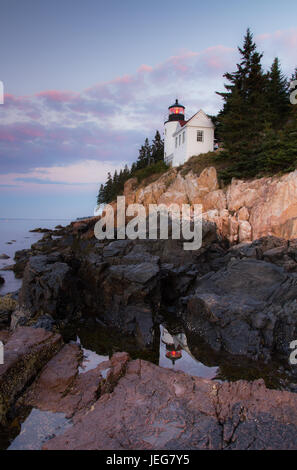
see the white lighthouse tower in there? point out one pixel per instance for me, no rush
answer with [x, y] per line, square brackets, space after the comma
[184, 139]
[176, 113]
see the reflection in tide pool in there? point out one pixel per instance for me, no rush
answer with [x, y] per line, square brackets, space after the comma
[90, 359]
[37, 428]
[175, 354]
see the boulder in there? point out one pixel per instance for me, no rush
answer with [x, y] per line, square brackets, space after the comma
[152, 408]
[244, 232]
[26, 352]
[243, 214]
[7, 306]
[214, 200]
[271, 203]
[49, 287]
[61, 388]
[245, 308]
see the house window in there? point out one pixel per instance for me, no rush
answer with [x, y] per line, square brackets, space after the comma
[199, 136]
[183, 137]
[179, 139]
[175, 141]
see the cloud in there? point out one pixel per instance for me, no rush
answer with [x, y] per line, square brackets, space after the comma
[87, 172]
[282, 44]
[69, 138]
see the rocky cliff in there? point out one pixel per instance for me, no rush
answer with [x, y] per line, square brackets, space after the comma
[243, 211]
[234, 301]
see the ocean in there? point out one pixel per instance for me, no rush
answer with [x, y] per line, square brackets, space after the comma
[15, 235]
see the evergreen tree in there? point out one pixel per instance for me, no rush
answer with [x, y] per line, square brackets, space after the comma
[108, 188]
[145, 155]
[126, 173]
[141, 161]
[242, 120]
[100, 197]
[147, 152]
[147, 163]
[157, 148]
[133, 169]
[278, 95]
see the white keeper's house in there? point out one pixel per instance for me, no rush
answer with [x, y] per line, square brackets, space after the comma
[183, 139]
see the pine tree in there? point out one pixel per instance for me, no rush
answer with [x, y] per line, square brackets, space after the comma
[141, 161]
[148, 155]
[242, 120]
[108, 189]
[278, 95]
[147, 152]
[157, 148]
[126, 173]
[133, 169]
[100, 197]
[144, 158]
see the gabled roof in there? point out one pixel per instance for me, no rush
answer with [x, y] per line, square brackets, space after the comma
[199, 112]
[186, 123]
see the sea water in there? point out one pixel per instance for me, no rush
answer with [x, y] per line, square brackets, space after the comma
[15, 235]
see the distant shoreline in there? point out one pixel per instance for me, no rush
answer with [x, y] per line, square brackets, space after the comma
[25, 218]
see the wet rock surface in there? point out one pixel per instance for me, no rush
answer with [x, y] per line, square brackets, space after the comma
[246, 308]
[156, 408]
[118, 282]
[239, 298]
[60, 388]
[8, 304]
[27, 350]
[124, 404]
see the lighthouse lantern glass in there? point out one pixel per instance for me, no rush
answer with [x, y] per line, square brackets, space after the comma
[176, 110]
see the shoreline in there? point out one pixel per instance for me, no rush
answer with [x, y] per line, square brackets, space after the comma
[71, 265]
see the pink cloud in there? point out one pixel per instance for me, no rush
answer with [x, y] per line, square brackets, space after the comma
[281, 43]
[123, 79]
[57, 96]
[7, 136]
[144, 68]
[110, 119]
[286, 38]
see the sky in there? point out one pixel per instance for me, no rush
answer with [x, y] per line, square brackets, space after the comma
[85, 82]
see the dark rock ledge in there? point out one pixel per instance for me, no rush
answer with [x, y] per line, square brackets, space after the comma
[239, 299]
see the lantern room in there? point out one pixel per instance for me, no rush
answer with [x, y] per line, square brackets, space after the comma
[176, 112]
[173, 352]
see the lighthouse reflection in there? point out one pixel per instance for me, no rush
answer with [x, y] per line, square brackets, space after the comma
[175, 353]
[172, 344]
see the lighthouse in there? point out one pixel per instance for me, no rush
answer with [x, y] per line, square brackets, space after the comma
[186, 138]
[173, 348]
[176, 113]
